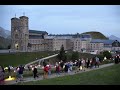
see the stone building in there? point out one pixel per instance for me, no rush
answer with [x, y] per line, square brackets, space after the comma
[27, 40]
[19, 33]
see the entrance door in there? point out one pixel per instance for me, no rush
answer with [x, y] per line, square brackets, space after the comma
[16, 46]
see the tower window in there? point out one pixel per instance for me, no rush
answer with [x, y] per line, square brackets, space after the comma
[16, 36]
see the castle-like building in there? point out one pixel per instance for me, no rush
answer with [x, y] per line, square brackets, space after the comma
[27, 40]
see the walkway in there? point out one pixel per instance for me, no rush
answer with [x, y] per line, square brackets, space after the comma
[27, 79]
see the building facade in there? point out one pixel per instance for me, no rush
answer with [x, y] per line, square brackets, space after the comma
[27, 40]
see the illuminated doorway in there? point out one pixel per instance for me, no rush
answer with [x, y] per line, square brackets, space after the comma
[16, 46]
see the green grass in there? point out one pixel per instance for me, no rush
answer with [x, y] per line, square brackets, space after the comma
[21, 58]
[105, 76]
[16, 59]
[96, 35]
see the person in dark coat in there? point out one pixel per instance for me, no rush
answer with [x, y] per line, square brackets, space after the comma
[88, 62]
[116, 60]
[61, 65]
[35, 72]
[66, 68]
[29, 68]
[21, 69]
[9, 70]
[3, 69]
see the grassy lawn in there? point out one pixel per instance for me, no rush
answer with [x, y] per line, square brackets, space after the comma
[21, 58]
[105, 76]
[16, 59]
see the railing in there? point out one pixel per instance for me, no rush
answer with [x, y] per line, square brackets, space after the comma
[39, 60]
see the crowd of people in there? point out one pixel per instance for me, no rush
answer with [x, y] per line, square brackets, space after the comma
[60, 67]
[67, 67]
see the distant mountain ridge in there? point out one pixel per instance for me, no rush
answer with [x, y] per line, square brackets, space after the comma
[4, 42]
[112, 37]
[5, 38]
[5, 33]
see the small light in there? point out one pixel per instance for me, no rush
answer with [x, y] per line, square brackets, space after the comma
[47, 65]
[32, 68]
[10, 78]
[39, 65]
[80, 67]
[105, 58]
[17, 69]
[6, 68]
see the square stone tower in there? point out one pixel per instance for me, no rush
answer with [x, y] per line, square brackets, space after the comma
[19, 33]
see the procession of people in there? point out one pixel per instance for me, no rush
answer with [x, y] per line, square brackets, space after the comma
[82, 64]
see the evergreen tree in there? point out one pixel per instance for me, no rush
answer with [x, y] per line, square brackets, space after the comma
[62, 54]
[107, 54]
[75, 56]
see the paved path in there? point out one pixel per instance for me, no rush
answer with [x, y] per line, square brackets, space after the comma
[27, 79]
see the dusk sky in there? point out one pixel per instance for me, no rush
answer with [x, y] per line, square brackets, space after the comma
[65, 19]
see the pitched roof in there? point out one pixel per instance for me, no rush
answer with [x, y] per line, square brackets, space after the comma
[82, 36]
[85, 36]
[58, 37]
[102, 41]
[37, 32]
[35, 37]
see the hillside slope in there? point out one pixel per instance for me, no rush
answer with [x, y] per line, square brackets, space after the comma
[4, 42]
[96, 35]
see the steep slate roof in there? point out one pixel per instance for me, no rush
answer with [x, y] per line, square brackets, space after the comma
[35, 37]
[85, 36]
[82, 36]
[71, 35]
[61, 35]
[58, 37]
[37, 32]
[102, 41]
